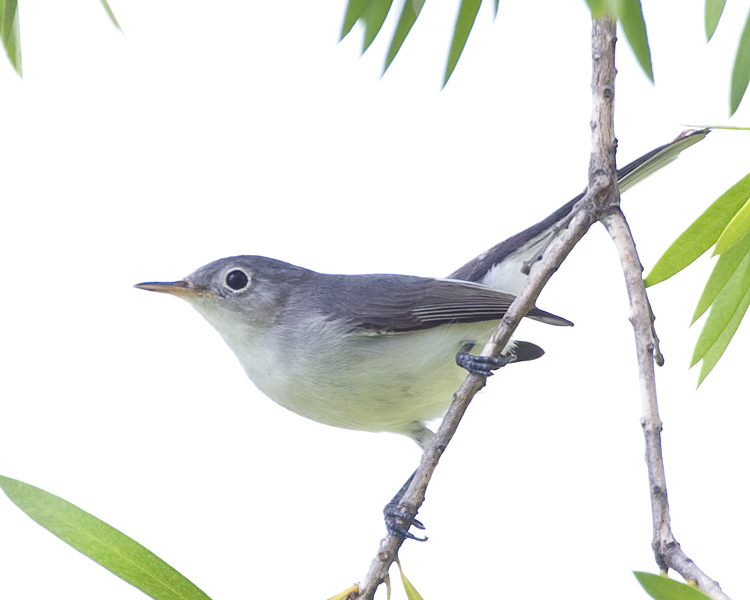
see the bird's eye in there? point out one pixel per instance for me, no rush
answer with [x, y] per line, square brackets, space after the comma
[236, 280]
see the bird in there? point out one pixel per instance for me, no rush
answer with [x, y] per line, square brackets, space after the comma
[378, 352]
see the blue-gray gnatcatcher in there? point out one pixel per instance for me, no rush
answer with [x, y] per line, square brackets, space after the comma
[377, 352]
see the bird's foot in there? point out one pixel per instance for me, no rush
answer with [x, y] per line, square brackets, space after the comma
[482, 365]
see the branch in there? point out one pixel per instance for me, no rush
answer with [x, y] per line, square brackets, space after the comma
[667, 551]
[600, 193]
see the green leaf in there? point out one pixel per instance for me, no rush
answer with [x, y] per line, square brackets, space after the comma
[599, 8]
[741, 70]
[10, 32]
[661, 587]
[735, 229]
[722, 272]
[354, 11]
[102, 543]
[112, 17]
[345, 594]
[631, 16]
[714, 8]
[408, 17]
[701, 234]
[717, 349]
[374, 16]
[467, 13]
[723, 310]
[411, 592]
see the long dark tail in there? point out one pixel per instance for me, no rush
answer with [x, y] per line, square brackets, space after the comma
[500, 266]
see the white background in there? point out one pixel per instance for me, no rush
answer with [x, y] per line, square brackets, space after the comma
[244, 128]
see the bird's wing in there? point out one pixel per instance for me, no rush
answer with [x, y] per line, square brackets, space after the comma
[400, 303]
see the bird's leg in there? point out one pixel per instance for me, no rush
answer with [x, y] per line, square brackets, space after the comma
[481, 365]
[398, 521]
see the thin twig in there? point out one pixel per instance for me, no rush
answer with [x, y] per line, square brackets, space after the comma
[668, 553]
[601, 184]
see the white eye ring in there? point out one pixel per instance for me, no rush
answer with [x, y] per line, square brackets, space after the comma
[236, 280]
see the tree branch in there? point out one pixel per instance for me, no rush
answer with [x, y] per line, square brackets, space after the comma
[668, 553]
[600, 193]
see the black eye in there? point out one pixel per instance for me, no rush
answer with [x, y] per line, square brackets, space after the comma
[236, 280]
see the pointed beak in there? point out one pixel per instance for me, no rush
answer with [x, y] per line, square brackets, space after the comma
[176, 288]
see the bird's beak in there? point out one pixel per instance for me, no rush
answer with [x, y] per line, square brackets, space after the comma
[176, 288]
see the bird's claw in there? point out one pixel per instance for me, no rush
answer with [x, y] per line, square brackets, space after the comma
[398, 522]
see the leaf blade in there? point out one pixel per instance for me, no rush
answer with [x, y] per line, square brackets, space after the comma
[701, 234]
[101, 542]
[712, 14]
[741, 70]
[630, 14]
[735, 229]
[354, 10]
[373, 17]
[111, 14]
[467, 14]
[409, 15]
[716, 351]
[11, 33]
[725, 267]
[723, 310]
[661, 587]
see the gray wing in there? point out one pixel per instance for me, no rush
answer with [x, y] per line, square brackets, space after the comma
[400, 303]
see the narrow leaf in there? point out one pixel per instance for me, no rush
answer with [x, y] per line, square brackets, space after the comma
[112, 17]
[102, 543]
[722, 272]
[11, 33]
[411, 592]
[497, 7]
[599, 8]
[354, 11]
[345, 594]
[408, 17]
[714, 8]
[631, 16]
[741, 70]
[661, 587]
[374, 16]
[701, 234]
[735, 229]
[723, 310]
[467, 14]
[717, 350]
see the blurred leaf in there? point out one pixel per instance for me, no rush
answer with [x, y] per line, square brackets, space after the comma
[102, 543]
[631, 17]
[599, 8]
[717, 349]
[408, 17]
[411, 592]
[724, 309]
[735, 229]
[345, 594]
[714, 8]
[723, 270]
[741, 71]
[10, 32]
[701, 234]
[111, 14]
[354, 11]
[373, 17]
[467, 13]
[661, 587]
